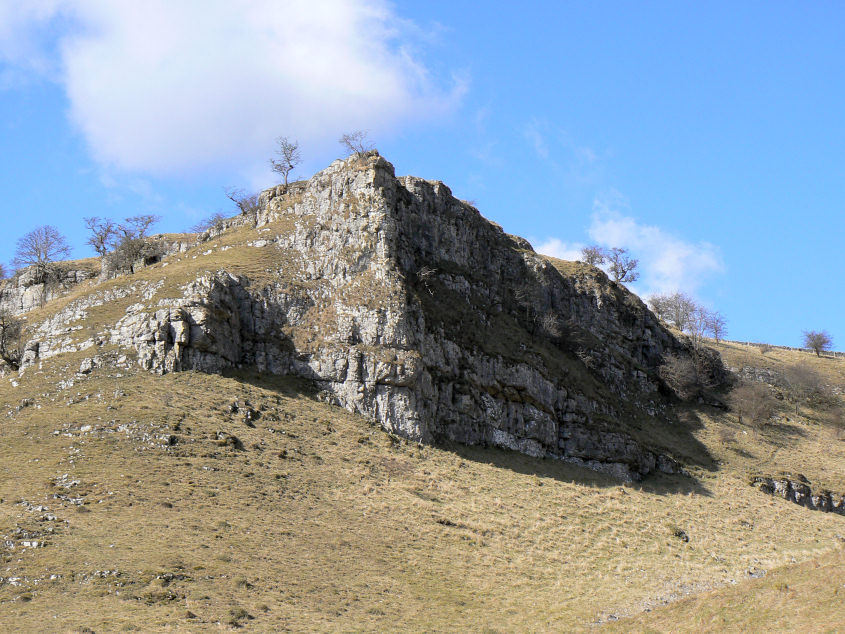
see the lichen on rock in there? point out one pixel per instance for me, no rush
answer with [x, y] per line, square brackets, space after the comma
[404, 304]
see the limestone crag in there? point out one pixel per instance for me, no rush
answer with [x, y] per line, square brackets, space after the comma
[799, 490]
[27, 291]
[406, 305]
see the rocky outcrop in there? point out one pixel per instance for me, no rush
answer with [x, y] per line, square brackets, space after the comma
[798, 489]
[27, 291]
[406, 305]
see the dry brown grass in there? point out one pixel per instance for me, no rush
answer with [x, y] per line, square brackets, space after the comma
[739, 355]
[806, 597]
[315, 520]
[324, 522]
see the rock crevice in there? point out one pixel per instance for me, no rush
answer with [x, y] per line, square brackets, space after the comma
[406, 305]
[798, 489]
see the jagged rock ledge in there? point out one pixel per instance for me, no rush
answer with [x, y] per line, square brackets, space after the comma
[27, 291]
[797, 489]
[405, 305]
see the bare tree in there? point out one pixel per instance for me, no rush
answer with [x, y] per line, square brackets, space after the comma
[104, 234]
[659, 305]
[550, 324]
[679, 373]
[289, 155]
[623, 268]
[698, 325]
[356, 142]
[817, 341]
[214, 221]
[39, 249]
[136, 227]
[131, 252]
[716, 325]
[247, 203]
[11, 339]
[2, 272]
[754, 402]
[135, 245]
[681, 308]
[425, 275]
[803, 382]
[683, 312]
[593, 255]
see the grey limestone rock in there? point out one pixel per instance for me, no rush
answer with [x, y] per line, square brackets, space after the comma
[404, 304]
[798, 489]
[26, 291]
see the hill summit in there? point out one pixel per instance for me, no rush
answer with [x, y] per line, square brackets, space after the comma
[404, 304]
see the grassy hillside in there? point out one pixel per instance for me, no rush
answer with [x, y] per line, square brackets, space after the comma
[171, 510]
[805, 597]
[135, 502]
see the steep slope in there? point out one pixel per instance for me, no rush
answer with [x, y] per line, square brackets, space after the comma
[191, 501]
[407, 306]
[141, 490]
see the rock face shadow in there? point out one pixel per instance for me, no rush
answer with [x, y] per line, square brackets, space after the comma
[406, 306]
[545, 467]
[658, 484]
[286, 385]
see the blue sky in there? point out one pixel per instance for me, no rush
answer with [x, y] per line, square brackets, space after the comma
[705, 137]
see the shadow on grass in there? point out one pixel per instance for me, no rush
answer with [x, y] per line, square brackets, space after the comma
[675, 438]
[781, 434]
[285, 385]
[739, 451]
[657, 484]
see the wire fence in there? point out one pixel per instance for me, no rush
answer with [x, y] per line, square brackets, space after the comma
[825, 353]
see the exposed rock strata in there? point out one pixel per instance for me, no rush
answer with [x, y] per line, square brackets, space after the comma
[26, 291]
[798, 489]
[407, 306]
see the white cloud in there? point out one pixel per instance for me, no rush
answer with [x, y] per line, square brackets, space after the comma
[559, 249]
[667, 262]
[535, 133]
[158, 86]
[576, 164]
[24, 53]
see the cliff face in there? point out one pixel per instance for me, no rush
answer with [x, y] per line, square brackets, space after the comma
[407, 306]
[26, 291]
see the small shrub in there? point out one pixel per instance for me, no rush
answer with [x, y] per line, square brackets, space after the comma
[248, 204]
[225, 439]
[681, 534]
[356, 142]
[241, 582]
[727, 436]
[213, 223]
[679, 373]
[805, 385]
[131, 252]
[753, 403]
[237, 616]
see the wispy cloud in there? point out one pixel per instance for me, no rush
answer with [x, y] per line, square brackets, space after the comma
[666, 262]
[575, 161]
[160, 86]
[535, 132]
[559, 249]
[484, 147]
